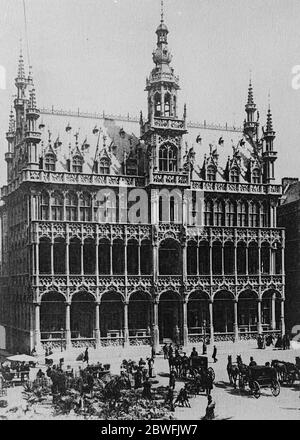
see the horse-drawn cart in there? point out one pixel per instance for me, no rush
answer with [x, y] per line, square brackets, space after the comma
[259, 377]
[198, 365]
[200, 375]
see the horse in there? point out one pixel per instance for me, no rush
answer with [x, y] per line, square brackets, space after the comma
[232, 371]
[243, 371]
[280, 368]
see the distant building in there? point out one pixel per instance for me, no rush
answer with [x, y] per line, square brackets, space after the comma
[205, 258]
[289, 218]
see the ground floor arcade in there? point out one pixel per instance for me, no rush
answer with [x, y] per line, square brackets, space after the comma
[143, 320]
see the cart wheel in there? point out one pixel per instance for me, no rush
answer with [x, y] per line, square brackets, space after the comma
[275, 388]
[211, 371]
[256, 390]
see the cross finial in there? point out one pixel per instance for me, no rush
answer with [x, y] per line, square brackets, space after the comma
[162, 11]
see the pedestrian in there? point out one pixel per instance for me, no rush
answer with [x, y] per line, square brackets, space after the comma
[170, 352]
[210, 409]
[169, 398]
[150, 367]
[166, 351]
[208, 382]
[204, 347]
[86, 355]
[252, 362]
[146, 394]
[138, 378]
[194, 352]
[153, 354]
[214, 355]
[172, 379]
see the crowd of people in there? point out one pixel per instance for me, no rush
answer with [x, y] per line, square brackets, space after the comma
[282, 342]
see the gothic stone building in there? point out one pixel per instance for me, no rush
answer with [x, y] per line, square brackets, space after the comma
[204, 258]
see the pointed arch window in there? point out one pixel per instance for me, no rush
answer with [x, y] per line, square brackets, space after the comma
[168, 158]
[264, 215]
[255, 176]
[208, 213]
[44, 214]
[57, 203]
[230, 213]
[77, 164]
[50, 160]
[157, 105]
[211, 173]
[72, 206]
[218, 213]
[234, 175]
[167, 106]
[254, 215]
[85, 207]
[104, 166]
[242, 214]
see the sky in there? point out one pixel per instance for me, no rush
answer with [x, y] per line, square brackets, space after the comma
[95, 55]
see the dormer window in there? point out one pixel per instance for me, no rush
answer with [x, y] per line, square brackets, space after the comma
[234, 175]
[256, 176]
[77, 164]
[50, 160]
[211, 173]
[104, 166]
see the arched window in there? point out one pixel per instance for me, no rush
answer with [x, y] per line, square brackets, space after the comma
[132, 257]
[71, 206]
[228, 258]
[218, 213]
[255, 176]
[118, 254]
[146, 257]
[241, 258]
[50, 160]
[104, 257]
[203, 253]
[59, 254]
[85, 207]
[211, 173]
[169, 258]
[172, 209]
[89, 256]
[208, 213]
[168, 158]
[57, 202]
[264, 215]
[75, 256]
[192, 258]
[44, 255]
[253, 259]
[167, 105]
[77, 164]
[230, 213]
[254, 215]
[242, 214]
[104, 166]
[234, 175]
[217, 258]
[265, 258]
[157, 105]
[44, 214]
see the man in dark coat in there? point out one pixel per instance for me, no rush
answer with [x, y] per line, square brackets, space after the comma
[86, 355]
[165, 351]
[194, 352]
[146, 394]
[172, 379]
[214, 355]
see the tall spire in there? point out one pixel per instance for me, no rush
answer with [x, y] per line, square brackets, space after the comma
[162, 11]
[269, 125]
[250, 94]
[21, 70]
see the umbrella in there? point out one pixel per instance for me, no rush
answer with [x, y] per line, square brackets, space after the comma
[22, 358]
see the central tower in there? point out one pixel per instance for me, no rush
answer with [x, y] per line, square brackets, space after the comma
[163, 130]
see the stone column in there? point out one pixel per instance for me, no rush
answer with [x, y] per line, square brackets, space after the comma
[211, 323]
[68, 326]
[210, 264]
[155, 341]
[247, 260]
[273, 312]
[139, 258]
[282, 323]
[81, 257]
[111, 258]
[185, 324]
[126, 332]
[52, 256]
[67, 255]
[37, 260]
[222, 255]
[97, 325]
[38, 343]
[259, 324]
[236, 323]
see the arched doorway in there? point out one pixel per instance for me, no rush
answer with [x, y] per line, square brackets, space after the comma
[82, 315]
[198, 313]
[223, 312]
[52, 315]
[271, 310]
[169, 316]
[247, 311]
[139, 314]
[111, 315]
